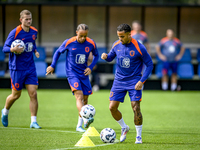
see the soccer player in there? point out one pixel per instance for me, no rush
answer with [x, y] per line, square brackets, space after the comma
[170, 51]
[78, 49]
[130, 56]
[22, 67]
[140, 35]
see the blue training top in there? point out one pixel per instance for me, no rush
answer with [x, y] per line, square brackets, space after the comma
[77, 56]
[130, 59]
[23, 61]
[170, 48]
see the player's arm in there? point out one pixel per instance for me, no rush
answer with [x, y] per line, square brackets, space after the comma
[147, 61]
[159, 53]
[95, 57]
[147, 47]
[110, 56]
[180, 55]
[7, 46]
[37, 54]
[61, 49]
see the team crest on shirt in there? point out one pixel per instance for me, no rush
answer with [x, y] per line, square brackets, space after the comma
[125, 62]
[132, 53]
[33, 36]
[87, 49]
[80, 58]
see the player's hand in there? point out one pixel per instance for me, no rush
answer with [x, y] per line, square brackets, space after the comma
[87, 71]
[178, 57]
[49, 70]
[17, 49]
[138, 85]
[163, 57]
[37, 54]
[104, 56]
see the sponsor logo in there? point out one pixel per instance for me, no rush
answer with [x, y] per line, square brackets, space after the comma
[74, 48]
[80, 58]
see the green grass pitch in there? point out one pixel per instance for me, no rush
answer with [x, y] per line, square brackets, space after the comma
[171, 120]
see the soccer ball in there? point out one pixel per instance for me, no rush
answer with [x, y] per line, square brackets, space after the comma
[108, 135]
[17, 42]
[87, 111]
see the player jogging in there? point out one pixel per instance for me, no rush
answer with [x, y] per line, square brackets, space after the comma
[130, 56]
[78, 49]
[22, 67]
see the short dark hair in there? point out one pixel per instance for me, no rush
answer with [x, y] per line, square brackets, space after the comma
[124, 27]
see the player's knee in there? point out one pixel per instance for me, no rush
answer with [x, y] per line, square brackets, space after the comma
[33, 94]
[136, 108]
[16, 96]
[112, 108]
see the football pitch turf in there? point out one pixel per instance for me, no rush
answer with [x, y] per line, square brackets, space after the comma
[171, 120]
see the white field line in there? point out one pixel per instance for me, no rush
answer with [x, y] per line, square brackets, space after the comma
[85, 146]
[14, 128]
[40, 129]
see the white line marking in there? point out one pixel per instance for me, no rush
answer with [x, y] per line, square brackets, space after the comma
[116, 141]
[39, 129]
[84, 147]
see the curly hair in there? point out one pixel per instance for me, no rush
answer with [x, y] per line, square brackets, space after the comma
[124, 27]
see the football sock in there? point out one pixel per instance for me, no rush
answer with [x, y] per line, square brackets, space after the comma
[122, 123]
[164, 85]
[80, 121]
[33, 119]
[173, 86]
[138, 130]
[5, 111]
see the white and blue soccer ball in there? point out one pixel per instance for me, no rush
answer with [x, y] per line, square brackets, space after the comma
[20, 43]
[87, 111]
[108, 135]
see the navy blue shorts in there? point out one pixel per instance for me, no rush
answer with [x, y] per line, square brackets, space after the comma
[80, 84]
[21, 77]
[119, 90]
[169, 65]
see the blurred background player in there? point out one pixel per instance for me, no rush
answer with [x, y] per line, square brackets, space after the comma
[128, 78]
[140, 35]
[22, 67]
[170, 51]
[78, 49]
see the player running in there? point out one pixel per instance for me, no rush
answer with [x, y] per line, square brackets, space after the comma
[22, 67]
[78, 49]
[131, 55]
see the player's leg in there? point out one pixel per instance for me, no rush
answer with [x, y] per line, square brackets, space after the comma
[32, 92]
[17, 80]
[165, 76]
[136, 97]
[174, 76]
[79, 104]
[77, 91]
[137, 120]
[115, 99]
[9, 102]
[87, 90]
